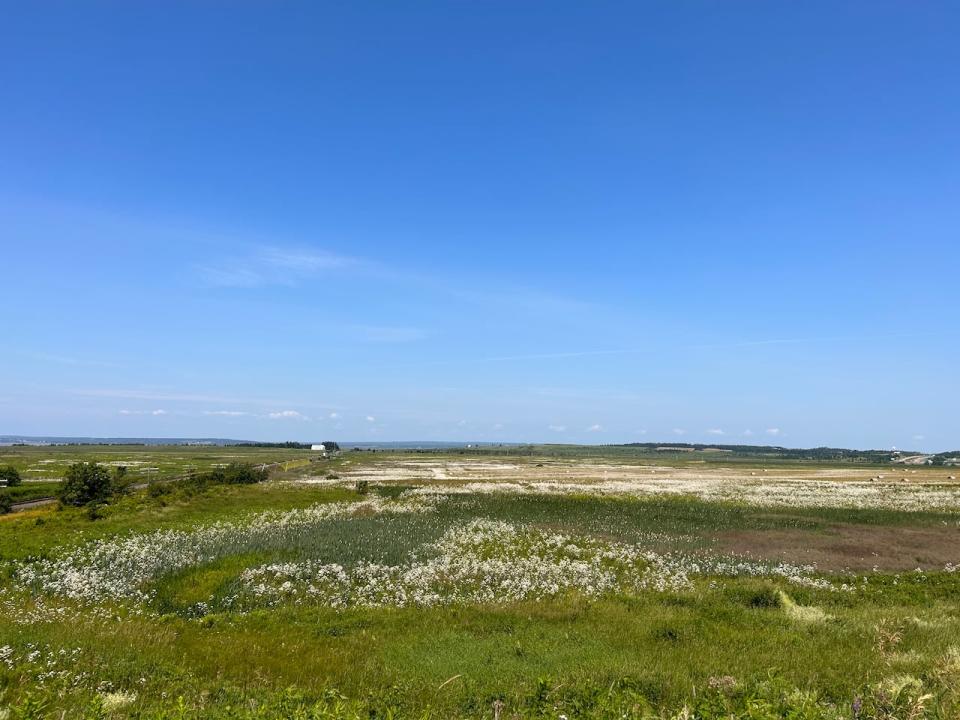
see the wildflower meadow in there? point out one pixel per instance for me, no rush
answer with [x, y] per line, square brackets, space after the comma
[393, 587]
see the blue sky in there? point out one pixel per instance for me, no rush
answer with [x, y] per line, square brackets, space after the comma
[542, 221]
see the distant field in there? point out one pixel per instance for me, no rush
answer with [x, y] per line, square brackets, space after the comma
[144, 461]
[451, 584]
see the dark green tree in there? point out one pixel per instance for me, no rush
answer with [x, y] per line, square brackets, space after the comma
[85, 482]
[9, 475]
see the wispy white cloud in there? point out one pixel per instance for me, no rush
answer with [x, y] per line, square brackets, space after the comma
[679, 431]
[271, 266]
[143, 412]
[287, 415]
[596, 427]
[557, 428]
[747, 433]
[333, 415]
[715, 431]
[371, 419]
[773, 431]
[227, 413]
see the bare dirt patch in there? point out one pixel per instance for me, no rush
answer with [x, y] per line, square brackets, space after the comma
[849, 547]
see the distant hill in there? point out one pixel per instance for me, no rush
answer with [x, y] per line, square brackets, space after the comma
[66, 440]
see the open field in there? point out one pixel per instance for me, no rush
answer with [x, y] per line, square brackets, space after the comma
[453, 585]
[146, 462]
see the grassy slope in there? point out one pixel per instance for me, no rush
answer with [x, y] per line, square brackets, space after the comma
[660, 645]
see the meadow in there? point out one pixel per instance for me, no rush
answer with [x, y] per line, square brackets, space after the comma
[47, 463]
[491, 585]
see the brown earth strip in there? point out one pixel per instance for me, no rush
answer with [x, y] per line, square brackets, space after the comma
[849, 547]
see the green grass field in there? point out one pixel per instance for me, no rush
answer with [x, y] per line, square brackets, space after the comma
[303, 597]
[146, 462]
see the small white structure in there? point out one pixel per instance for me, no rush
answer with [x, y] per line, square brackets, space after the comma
[327, 447]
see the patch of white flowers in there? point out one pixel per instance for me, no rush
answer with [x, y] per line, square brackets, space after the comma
[493, 562]
[44, 664]
[763, 492]
[120, 568]
[802, 575]
[484, 561]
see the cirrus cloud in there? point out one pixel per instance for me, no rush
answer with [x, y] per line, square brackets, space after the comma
[271, 266]
[287, 415]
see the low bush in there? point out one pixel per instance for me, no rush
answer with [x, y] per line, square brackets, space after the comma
[158, 489]
[197, 483]
[9, 476]
[86, 482]
[237, 474]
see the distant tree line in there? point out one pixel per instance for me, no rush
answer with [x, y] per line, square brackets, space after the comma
[817, 453]
[946, 457]
[289, 445]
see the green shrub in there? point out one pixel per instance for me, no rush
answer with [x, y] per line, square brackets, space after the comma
[196, 483]
[10, 476]
[158, 489]
[760, 595]
[6, 503]
[236, 474]
[85, 482]
[95, 510]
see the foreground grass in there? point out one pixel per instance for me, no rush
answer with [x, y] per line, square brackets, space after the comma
[459, 661]
[728, 647]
